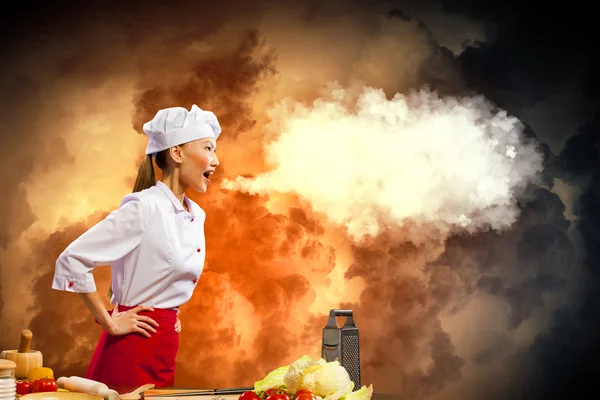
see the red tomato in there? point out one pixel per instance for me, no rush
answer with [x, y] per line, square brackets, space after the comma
[278, 396]
[249, 395]
[306, 396]
[44, 385]
[23, 387]
[303, 391]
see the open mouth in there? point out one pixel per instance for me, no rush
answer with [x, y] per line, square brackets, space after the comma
[207, 175]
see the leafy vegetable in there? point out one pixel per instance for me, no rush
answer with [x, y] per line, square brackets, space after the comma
[364, 393]
[326, 380]
[273, 380]
[294, 374]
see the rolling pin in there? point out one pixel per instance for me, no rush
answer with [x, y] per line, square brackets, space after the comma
[83, 385]
[25, 358]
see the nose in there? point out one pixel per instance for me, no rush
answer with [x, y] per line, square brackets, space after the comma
[215, 161]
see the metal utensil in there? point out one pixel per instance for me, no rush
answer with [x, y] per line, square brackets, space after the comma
[342, 344]
[194, 392]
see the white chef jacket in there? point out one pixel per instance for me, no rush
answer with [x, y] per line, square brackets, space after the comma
[155, 248]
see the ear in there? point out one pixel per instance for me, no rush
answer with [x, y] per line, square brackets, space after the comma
[175, 153]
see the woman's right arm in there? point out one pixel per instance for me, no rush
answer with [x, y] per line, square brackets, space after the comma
[119, 323]
[106, 242]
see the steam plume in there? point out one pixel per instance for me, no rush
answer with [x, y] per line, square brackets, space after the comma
[368, 162]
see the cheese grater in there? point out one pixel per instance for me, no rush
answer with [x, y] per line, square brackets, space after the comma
[341, 344]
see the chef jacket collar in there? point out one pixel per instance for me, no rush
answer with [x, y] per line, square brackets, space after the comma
[176, 203]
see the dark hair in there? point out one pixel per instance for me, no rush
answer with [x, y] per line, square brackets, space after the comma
[146, 179]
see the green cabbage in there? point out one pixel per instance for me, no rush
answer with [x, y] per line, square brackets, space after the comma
[329, 380]
[294, 374]
[364, 393]
[326, 380]
[273, 380]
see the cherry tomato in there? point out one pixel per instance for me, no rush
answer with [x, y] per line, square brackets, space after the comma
[303, 391]
[306, 396]
[23, 387]
[249, 395]
[44, 385]
[278, 396]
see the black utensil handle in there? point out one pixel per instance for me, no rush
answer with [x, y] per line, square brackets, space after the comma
[234, 390]
[204, 392]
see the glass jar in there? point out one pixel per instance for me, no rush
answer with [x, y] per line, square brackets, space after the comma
[8, 383]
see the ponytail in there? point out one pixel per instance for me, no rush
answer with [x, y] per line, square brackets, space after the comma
[145, 179]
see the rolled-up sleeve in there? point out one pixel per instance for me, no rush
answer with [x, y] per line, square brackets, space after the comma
[106, 242]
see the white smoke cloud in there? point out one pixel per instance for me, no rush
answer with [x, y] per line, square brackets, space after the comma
[368, 162]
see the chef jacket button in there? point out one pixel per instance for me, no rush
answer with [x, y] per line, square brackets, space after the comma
[198, 249]
[71, 284]
[192, 220]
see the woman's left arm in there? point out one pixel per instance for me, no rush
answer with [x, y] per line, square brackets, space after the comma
[107, 241]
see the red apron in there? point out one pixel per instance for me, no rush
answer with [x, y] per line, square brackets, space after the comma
[132, 360]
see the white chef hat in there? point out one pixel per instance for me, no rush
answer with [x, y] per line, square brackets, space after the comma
[176, 125]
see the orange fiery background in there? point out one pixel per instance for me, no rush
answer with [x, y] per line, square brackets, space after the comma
[275, 265]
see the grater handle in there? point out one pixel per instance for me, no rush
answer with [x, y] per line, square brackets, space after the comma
[340, 313]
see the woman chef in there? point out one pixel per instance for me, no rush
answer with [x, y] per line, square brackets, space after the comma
[155, 245]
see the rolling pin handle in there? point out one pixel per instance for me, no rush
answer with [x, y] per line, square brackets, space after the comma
[61, 382]
[25, 344]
